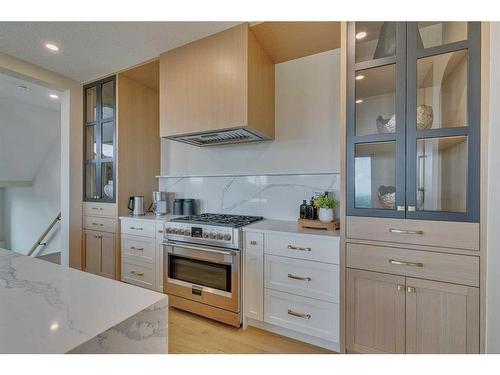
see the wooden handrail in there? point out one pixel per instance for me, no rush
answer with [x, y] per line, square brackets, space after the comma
[40, 239]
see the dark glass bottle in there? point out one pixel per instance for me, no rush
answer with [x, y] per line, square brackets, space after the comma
[310, 211]
[303, 209]
[315, 210]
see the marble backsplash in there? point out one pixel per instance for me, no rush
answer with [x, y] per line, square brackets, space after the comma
[271, 196]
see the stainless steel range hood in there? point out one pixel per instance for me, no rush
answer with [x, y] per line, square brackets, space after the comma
[221, 137]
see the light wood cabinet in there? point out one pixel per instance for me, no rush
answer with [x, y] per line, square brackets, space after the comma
[376, 312]
[254, 276]
[99, 250]
[441, 318]
[223, 81]
[395, 314]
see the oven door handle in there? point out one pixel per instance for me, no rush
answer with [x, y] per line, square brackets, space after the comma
[196, 248]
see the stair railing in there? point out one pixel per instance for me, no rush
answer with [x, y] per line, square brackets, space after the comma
[40, 242]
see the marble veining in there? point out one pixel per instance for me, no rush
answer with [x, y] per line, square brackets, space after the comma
[47, 308]
[271, 196]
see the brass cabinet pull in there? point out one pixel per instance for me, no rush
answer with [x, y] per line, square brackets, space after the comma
[403, 263]
[291, 247]
[160, 231]
[302, 278]
[97, 208]
[405, 231]
[253, 242]
[400, 287]
[134, 228]
[299, 315]
[411, 289]
[137, 248]
[137, 273]
[98, 224]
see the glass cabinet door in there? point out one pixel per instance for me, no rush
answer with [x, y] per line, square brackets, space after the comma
[99, 141]
[443, 122]
[376, 118]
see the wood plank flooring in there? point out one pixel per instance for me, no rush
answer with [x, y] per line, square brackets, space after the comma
[193, 334]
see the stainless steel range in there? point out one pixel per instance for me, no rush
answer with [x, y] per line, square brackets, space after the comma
[202, 264]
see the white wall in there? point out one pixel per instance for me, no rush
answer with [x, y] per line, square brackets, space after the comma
[2, 227]
[29, 210]
[493, 246]
[307, 128]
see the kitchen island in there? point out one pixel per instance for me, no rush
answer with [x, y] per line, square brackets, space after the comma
[47, 308]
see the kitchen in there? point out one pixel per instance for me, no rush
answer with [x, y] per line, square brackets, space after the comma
[267, 182]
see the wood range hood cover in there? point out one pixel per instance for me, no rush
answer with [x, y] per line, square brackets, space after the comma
[218, 90]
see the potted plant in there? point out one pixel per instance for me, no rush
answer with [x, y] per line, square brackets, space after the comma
[326, 205]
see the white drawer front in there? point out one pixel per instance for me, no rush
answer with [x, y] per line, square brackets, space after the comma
[99, 209]
[303, 247]
[139, 228]
[140, 248]
[137, 273]
[302, 277]
[101, 224]
[301, 314]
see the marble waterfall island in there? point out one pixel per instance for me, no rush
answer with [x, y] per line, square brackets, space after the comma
[47, 308]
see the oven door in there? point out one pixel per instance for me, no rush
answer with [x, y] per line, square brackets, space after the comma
[203, 274]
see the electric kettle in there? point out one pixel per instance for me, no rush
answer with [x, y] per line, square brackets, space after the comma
[136, 205]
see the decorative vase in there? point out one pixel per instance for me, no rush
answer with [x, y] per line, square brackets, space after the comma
[386, 125]
[386, 45]
[424, 117]
[325, 215]
[387, 196]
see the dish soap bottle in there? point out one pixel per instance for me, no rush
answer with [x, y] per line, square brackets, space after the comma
[303, 209]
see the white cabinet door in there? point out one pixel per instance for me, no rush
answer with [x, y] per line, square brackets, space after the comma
[253, 266]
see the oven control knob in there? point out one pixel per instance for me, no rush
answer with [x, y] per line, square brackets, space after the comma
[211, 235]
[227, 237]
[176, 231]
[168, 230]
[205, 234]
[187, 232]
[219, 236]
[182, 231]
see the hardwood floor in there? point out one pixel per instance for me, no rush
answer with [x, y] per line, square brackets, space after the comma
[53, 258]
[193, 334]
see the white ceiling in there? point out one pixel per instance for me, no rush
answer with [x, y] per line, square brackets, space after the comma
[93, 49]
[35, 94]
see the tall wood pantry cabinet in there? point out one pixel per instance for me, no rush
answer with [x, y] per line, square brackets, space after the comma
[412, 191]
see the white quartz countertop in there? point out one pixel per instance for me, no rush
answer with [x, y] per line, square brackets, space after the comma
[150, 217]
[289, 227]
[47, 308]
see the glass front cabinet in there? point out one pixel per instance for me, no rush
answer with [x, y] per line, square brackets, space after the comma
[99, 136]
[413, 120]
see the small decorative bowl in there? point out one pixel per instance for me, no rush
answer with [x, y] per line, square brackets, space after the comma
[387, 196]
[386, 125]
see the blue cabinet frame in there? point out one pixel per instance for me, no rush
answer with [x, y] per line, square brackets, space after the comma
[406, 135]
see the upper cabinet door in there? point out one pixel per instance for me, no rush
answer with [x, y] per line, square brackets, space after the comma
[376, 118]
[99, 140]
[443, 120]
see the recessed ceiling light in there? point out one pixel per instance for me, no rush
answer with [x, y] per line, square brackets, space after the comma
[23, 88]
[360, 77]
[54, 96]
[359, 101]
[52, 47]
[361, 35]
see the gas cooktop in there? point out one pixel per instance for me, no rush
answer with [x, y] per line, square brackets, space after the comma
[233, 221]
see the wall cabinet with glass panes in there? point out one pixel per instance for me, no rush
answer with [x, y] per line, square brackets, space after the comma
[413, 120]
[100, 140]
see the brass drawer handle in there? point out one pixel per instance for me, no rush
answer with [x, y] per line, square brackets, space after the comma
[97, 208]
[302, 278]
[299, 315]
[137, 273]
[403, 263]
[405, 231]
[98, 224]
[291, 247]
[411, 289]
[134, 228]
[253, 242]
[400, 287]
[136, 248]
